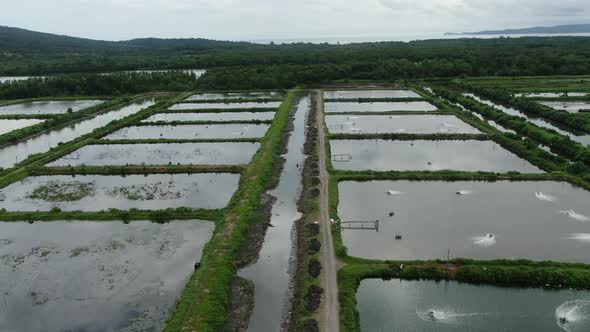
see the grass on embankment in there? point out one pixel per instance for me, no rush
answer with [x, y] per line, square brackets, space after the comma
[204, 302]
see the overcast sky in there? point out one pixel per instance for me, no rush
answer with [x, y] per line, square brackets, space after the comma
[283, 19]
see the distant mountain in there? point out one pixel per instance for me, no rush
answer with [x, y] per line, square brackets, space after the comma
[572, 28]
[15, 39]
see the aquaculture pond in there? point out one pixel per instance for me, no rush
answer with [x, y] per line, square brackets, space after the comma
[4, 79]
[246, 105]
[399, 305]
[220, 116]
[353, 94]
[386, 155]
[95, 276]
[7, 126]
[551, 94]
[354, 107]
[411, 124]
[12, 154]
[237, 95]
[483, 220]
[191, 132]
[161, 154]
[272, 273]
[568, 106]
[580, 138]
[47, 107]
[101, 192]
[197, 72]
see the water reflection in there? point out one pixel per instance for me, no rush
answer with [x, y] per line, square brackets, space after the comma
[382, 155]
[191, 132]
[97, 192]
[222, 116]
[198, 106]
[478, 220]
[161, 154]
[349, 107]
[237, 95]
[95, 276]
[7, 126]
[411, 124]
[48, 107]
[449, 306]
[12, 154]
[351, 94]
[271, 273]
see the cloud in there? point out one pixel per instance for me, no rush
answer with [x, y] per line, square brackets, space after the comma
[278, 19]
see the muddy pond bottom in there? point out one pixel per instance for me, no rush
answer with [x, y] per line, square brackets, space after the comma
[99, 192]
[95, 276]
[481, 220]
[424, 155]
[398, 305]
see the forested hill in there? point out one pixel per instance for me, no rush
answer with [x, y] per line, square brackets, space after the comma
[25, 52]
[563, 29]
[26, 41]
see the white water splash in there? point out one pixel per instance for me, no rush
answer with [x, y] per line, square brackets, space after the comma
[355, 129]
[571, 314]
[544, 197]
[393, 193]
[582, 237]
[464, 192]
[445, 316]
[487, 240]
[576, 216]
[352, 117]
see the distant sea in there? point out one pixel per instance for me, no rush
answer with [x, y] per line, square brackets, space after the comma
[398, 38]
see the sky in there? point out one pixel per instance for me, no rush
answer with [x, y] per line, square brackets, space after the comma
[281, 20]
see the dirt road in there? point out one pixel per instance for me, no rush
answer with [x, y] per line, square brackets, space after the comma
[329, 311]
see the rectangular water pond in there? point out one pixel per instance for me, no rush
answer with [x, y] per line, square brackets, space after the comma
[12, 154]
[568, 106]
[411, 124]
[354, 107]
[237, 95]
[399, 305]
[48, 107]
[551, 94]
[100, 192]
[481, 220]
[423, 155]
[191, 132]
[221, 116]
[7, 126]
[353, 94]
[95, 276]
[161, 154]
[222, 106]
